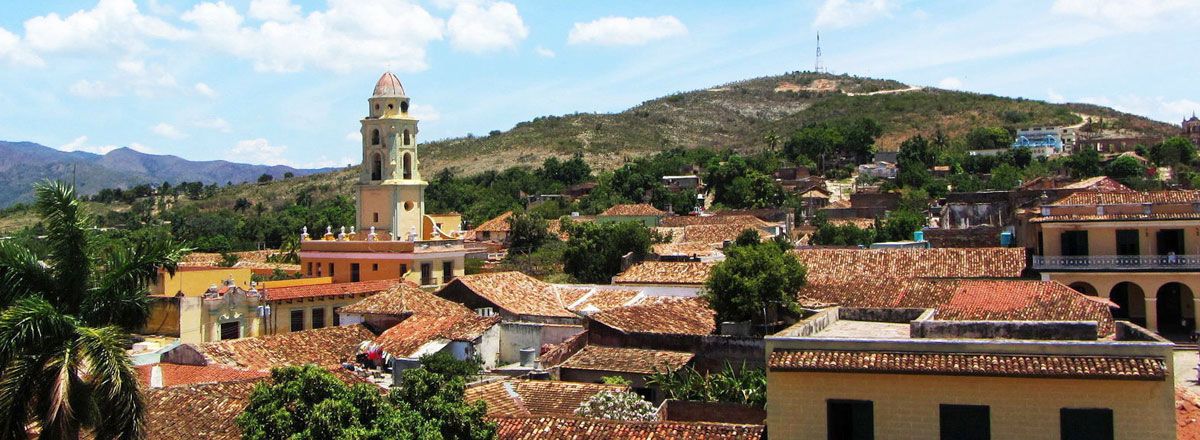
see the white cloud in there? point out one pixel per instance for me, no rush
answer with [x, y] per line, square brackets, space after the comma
[626, 31]
[93, 89]
[81, 144]
[354, 136]
[1158, 108]
[217, 124]
[1054, 96]
[478, 28]
[146, 80]
[274, 10]
[543, 52]
[168, 131]
[12, 50]
[950, 83]
[205, 90]
[326, 162]
[1127, 14]
[141, 148]
[349, 34]
[258, 151]
[111, 24]
[847, 13]
[424, 112]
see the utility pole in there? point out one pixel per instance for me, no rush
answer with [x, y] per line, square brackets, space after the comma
[817, 66]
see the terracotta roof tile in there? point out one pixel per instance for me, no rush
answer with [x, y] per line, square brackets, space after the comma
[1092, 198]
[626, 360]
[595, 300]
[676, 316]
[521, 294]
[596, 429]
[214, 257]
[539, 398]
[498, 224]
[326, 290]
[175, 375]
[717, 234]
[665, 272]
[851, 264]
[1100, 183]
[685, 249]
[1187, 415]
[1116, 217]
[748, 221]
[325, 346]
[402, 299]
[858, 222]
[406, 338]
[971, 364]
[634, 210]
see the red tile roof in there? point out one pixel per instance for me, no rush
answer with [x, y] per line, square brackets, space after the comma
[717, 234]
[685, 249]
[403, 299]
[520, 294]
[1116, 217]
[853, 264]
[1187, 415]
[603, 299]
[540, 398]
[326, 346]
[200, 411]
[174, 374]
[1092, 198]
[675, 316]
[548, 428]
[636, 210]
[407, 337]
[498, 224]
[626, 360]
[1101, 183]
[971, 364]
[665, 272]
[327, 290]
[680, 221]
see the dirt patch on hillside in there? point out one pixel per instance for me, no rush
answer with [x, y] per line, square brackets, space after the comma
[818, 85]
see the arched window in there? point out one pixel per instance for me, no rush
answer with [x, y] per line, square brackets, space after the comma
[403, 106]
[407, 166]
[374, 137]
[407, 138]
[377, 167]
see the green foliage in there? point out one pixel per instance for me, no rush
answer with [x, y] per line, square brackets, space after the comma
[527, 232]
[1004, 178]
[752, 279]
[829, 234]
[265, 178]
[568, 172]
[546, 261]
[618, 405]
[1124, 168]
[446, 365]
[594, 250]
[615, 380]
[1173, 151]
[914, 159]
[900, 225]
[989, 138]
[834, 142]
[1084, 163]
[747, 386]
[747, 237]
[472, 266]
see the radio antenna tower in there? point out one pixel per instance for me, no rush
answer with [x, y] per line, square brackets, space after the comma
[817, 66]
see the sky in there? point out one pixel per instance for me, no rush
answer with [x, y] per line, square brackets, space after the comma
[286, 81]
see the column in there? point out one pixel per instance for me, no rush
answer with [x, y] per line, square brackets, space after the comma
[1152, 311]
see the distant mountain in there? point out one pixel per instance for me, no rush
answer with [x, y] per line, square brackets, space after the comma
[25, 163]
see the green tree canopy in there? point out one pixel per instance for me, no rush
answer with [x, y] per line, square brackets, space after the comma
[593, 253]
[527, 232]
[989, 138]
[752, 279]
[1125, 167]
[1173, 151]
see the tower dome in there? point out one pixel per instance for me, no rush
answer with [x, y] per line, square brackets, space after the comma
[388, 86]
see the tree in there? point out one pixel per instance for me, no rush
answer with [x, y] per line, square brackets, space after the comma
[265, 178]
[1173, 151]
[1084, 163]
[753, 279]
[914, 159]
[618, 405]
[594, 251]
[1125, 167]
[289, 175]
[989, 138]
[745, 385]
[1004, 178]
[64, 328]
[527, 232]
[900, 225]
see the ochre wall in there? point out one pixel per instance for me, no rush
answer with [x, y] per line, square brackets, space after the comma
[195, 282]
[379, 269]
[906, 406]
[1102, 237]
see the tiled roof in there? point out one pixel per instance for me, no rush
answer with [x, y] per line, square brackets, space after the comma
[539, 398]
[665, 272]
[286, 267]
[212, 258]
[626, 360]
[407, 337]
[520, 294]
[174, 374]
[402, 299]
[1116, 217]
[1091, 198]
[548, 428]
[676, 316]
[853, 264]
[716, 234]
[971, 364]
[498, 224]
[634, 210]
[327, 290]
[324, 346]
[204, 411]
[687, 249]
[604, 299]
[1099, 183]
[1187, 415]
[736, 219]
[859, 222]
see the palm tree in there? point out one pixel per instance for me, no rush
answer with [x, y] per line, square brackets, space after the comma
[64, 326]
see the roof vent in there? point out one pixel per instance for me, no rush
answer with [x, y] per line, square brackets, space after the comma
[1146, 208]
[156, 377]
[1099, 209]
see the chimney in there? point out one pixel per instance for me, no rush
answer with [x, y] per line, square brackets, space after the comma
[156, 377]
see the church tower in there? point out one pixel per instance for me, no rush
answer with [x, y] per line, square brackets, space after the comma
[391, 194]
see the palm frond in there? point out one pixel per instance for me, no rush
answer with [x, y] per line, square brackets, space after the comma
[22, 274]
[68, 236]
[120, 295]
[17, 384]
[114, 383]
[31, 325]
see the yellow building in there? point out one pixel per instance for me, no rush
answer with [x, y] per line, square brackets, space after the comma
[194, 281]
[903, 374]
[1141, 250]
[393, 238]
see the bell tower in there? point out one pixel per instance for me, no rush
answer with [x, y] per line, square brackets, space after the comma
[391, 194]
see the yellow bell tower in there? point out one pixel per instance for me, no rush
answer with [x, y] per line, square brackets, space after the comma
[391, 194]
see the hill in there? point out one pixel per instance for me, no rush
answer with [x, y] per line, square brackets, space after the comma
[27, 162]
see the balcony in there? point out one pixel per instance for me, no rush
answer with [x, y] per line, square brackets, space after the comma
[1118, 263]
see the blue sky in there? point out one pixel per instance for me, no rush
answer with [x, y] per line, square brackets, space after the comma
[285, 82]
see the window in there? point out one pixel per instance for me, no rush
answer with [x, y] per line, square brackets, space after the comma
[1074, 243]
[377, 167]
[337, 316]
[353, 272]
[1086, 423]
[850, 419]
[374, 267]
[407, 138]
[318, 317]
[230, 330]
[426, 274]
[375, 217]
[310, 268]
[375, 135]
[297, 320]
[319, 269]
[404, 106]
[330, 269]
[965, 422]
[407, 166]
[447, 271]
[1170, 241]
[1127, 242]
[403, 270]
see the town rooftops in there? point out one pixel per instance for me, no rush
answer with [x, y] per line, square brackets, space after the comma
[597, 299]
[413, 336]
[1124, 205]
[841, 265]
[198, 411]
[672, 316]
[970, 364]
[175, 374]
[539, 398]
[324, 347]
[519, 293]
[328, 290]
[633, 210]
[552, 428]
[684, 249]
[402, 299]
[626, 360]
[719, 233]
[666, 273]
[498, 224]
[1099, 183]
[679, 221]
[1092, 198]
